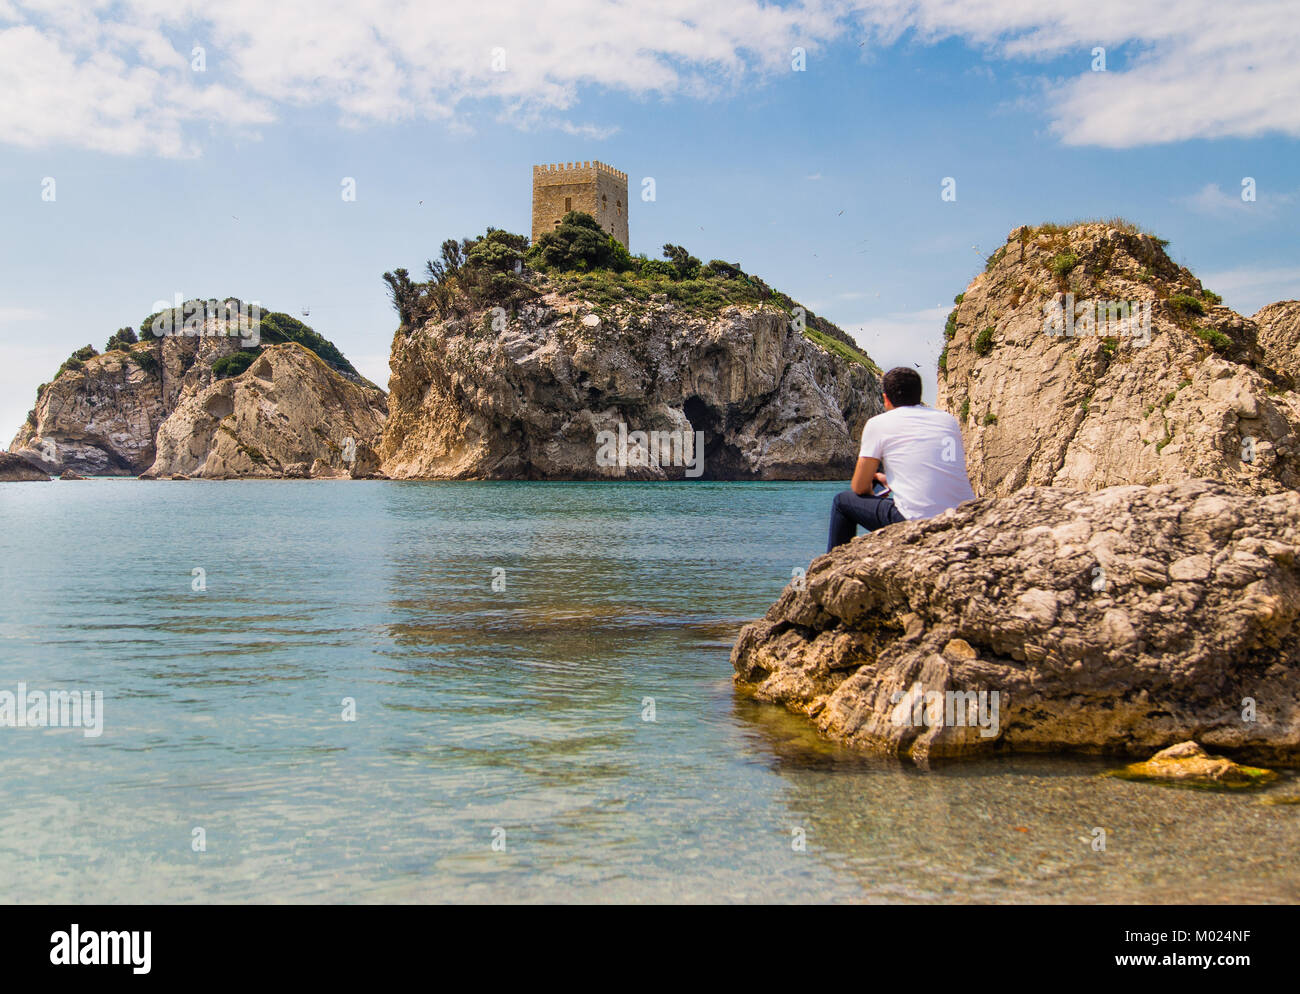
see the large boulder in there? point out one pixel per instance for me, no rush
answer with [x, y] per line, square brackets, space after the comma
[16, 469]
[1198, 393]
[526, 395]
[289, 409]
[1118, 621]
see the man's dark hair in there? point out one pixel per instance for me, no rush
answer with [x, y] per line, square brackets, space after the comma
[902, 386]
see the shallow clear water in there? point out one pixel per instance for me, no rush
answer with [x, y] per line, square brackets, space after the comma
[519, 710]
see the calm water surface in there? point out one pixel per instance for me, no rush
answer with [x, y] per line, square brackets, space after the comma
[514, 715]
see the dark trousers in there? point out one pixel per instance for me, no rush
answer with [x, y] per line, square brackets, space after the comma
[848, 510]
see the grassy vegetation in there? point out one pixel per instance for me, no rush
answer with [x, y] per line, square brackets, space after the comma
[273, 328]
[233, 364]
[145, 359]
[277, 328]
[578, 259]
[1216, 339]
[77, 360]
[1119, 223]
[1186, 303]
[840, 349]
[984, 341]
[965, 409]
[1063, 263]
[1211, 296]
[990, 418]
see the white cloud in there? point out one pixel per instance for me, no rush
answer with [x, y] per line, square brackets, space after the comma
[1214, 70]
[1210, 199]
[122, 82]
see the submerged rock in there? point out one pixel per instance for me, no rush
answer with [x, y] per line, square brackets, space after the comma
[70, 474]
[1118, 621]
[1187, 764]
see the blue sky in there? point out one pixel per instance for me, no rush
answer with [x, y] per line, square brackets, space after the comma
[825, 181]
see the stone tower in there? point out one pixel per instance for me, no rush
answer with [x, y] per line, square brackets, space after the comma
[593, 187]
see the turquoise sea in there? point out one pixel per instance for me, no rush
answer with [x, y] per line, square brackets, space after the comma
[501, 749]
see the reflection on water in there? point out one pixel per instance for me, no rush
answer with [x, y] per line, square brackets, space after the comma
[512, 714]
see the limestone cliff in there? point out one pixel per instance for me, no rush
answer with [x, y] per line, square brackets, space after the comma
[1279, 338]
[288, 414]
[527, 399]
[1201, 392]
[1123, 621]
[103, 414]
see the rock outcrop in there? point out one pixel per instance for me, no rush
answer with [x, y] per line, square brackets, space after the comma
[1118, 621]
[527, 401]
[100, 417]
[287, 411]
[106, 414]
[1205, 396]
[15, 469]
[1279, 338]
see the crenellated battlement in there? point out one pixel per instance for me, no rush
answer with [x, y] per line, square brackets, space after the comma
[592, 187]
[558, 169]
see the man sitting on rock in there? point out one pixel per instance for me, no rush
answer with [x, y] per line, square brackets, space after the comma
[920, 449]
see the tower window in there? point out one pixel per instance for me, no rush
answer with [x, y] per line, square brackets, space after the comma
[618, 206]
[568, 203]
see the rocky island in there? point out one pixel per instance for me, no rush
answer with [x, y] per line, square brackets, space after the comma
[510, 361]
[206, 391]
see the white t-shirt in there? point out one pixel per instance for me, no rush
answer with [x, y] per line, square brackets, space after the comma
[922, 456]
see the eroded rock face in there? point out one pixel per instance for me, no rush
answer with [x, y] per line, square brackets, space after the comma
[101, 419]
[15, 469]
[287, 411]
[1118, 621]
[1205, 397]
[527, 402]
[1279, 338]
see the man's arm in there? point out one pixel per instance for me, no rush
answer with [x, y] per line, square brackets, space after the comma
[864, 476]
